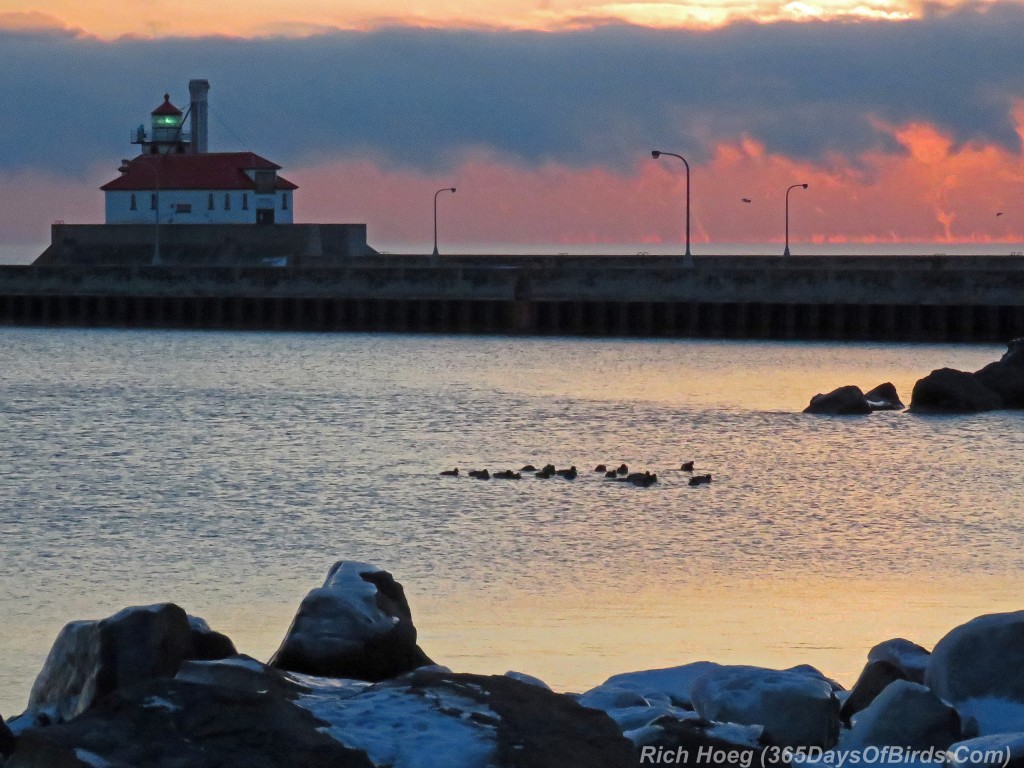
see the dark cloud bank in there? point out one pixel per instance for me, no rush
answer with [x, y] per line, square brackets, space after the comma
[604, 95]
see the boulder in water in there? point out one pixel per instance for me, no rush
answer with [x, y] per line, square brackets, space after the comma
[884, 397]
[845, 401]
[950, 391]
[1005, 377]
[358, 625]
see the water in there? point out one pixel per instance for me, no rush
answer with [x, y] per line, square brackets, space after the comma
[227, 471]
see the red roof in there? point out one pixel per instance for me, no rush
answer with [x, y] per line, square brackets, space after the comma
[208, 171]
[166, 108]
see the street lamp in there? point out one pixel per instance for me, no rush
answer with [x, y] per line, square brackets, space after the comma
[443, 189]
[792, 187]
[656, 154]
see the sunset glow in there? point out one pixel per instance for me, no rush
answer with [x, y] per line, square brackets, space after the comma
[114, 18]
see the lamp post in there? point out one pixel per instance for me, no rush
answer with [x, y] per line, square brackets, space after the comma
[656, 154]
[792, 187]
[443, 189]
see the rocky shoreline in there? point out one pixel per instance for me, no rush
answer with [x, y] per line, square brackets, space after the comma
[997, 386]
[349, 686]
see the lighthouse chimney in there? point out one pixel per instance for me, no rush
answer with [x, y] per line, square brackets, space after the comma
[198, 90]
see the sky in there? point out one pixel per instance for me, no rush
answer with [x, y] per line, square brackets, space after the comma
[905, 119]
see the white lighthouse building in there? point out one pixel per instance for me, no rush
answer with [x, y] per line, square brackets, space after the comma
[175, 180]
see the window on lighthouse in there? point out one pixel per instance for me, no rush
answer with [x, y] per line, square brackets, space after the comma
[227, 201]
[209, 203]
[152, 201]
[284, 202]
[245, 201]
[134, 205]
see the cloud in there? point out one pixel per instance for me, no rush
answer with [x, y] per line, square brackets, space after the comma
[424, 99]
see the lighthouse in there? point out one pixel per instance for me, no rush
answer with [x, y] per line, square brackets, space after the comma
[176, 180]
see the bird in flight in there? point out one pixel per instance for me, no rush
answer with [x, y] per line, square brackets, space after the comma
[999, 214]
[747, 200]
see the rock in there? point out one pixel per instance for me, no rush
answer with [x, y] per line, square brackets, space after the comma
[722, 744]
[1005, 750]
[471, 720]
[175, 723]
[1007, 381]
[875, 678]
[950, 391]
[7, 741]
[91, 659]
[672, 684]
[796, 709]
[884, 397]
[909, 657]
[979, 668]
[528, 679]
[845, 401]
[908, 715]
[358, 625]
[208, 645]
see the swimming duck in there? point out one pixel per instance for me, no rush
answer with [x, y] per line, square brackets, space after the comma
[508, 474]
[600, 468]
[700, 479]
[612, 474]
[568, 474]
[481, 474]
[642, 479]
[623, 469]
[528, 468]
[451, 472]
[545, 473]
[687, 466]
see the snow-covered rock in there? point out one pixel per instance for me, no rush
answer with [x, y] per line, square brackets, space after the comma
[420, 720]
[795, 708]
[909, 657]
[523, 678]
[90, 659]
[671, 684]
[875, 678]
[979, 668]
[907, 715]
[357, 625]
[1005, 750]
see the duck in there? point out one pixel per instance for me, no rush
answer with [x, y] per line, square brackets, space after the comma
[644, 479]
[549, 468]
[544, 474]
[600, 468]
[528, 468]
[686, 467]
[700, 479]
[568, 474]
[480, 474]
[451, 472]
[508, 474]
[612, 474]
[623, 469]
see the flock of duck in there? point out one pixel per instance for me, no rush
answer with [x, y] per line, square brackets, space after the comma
[619, 474]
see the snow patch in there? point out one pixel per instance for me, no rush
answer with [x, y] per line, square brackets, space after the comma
[673, 682]
[404, 729]
[992, 715]
[528, 679]
[91, 759]
[960, 754]
[156, 702]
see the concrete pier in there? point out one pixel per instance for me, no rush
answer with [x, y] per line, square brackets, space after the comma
[905, 298]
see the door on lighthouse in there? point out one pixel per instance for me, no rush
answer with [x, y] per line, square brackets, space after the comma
[264, 215]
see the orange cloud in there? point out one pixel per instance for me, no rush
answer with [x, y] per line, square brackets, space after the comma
[159, 18]
[935, 193]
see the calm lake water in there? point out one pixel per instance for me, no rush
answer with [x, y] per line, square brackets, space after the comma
[227, 471]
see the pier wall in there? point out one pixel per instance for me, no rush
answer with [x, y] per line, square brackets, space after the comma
[937, 298]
